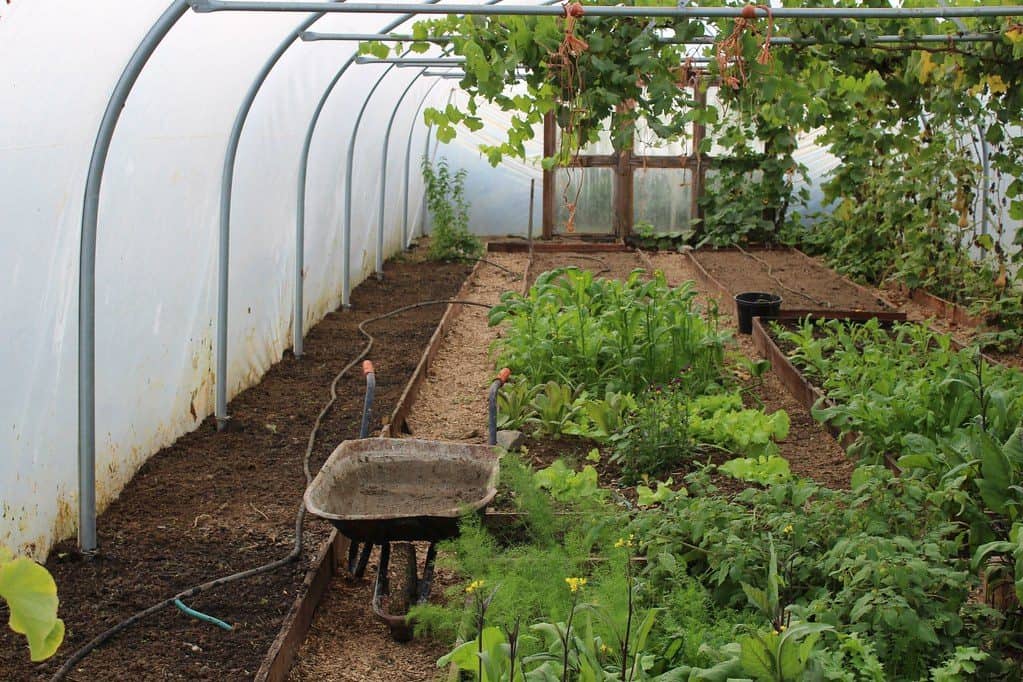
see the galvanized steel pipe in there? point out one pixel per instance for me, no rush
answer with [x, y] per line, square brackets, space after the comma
[224, 243]
[87, 272]
[615, 10]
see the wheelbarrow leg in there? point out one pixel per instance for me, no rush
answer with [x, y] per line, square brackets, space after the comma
[357, 562]
[426, 582]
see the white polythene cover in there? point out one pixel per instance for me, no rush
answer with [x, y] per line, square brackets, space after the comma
[157, 240]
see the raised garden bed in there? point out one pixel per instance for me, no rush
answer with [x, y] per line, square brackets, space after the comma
[212, 504]
[804, 284]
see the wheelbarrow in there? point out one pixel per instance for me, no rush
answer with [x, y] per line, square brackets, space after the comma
[384, 491]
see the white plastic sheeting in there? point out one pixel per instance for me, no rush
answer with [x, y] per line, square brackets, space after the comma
[156, 265]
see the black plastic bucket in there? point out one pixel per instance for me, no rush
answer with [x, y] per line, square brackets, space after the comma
[752, 304]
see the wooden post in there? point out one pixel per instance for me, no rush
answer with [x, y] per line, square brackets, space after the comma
[622, 198]
[697, 173]
[550, 144]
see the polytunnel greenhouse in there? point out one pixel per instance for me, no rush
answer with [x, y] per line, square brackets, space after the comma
[512, 340]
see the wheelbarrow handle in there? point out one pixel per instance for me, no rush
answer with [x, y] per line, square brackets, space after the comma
[367, 407]
[502, 378]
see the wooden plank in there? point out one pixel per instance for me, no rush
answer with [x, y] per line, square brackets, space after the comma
[560, 246]
[801, 388]
[396, 426]
[547, 199]
[676, 162]
[281, 655]
[594, 161]
[940, 307]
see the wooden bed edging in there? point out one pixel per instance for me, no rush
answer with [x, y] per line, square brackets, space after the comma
[799, 387]
[281, 655]
[940, 307]
[396, 425]
[540, 246]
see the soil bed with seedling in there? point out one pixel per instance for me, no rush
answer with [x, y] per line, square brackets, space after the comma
[215, 503]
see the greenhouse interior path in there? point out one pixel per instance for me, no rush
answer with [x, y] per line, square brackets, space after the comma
[212, 504]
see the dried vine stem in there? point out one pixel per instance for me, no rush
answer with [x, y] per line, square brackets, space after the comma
[729, 50]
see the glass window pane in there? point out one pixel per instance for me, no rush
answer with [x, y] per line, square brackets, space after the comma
[663, 198]
[591, 190]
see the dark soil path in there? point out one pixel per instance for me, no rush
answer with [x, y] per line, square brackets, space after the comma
[212, 504]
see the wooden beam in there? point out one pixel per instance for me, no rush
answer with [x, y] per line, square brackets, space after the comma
[550, 142]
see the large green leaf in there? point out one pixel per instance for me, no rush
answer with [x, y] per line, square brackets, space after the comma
[31, 595]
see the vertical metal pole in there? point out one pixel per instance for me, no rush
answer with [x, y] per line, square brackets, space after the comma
[408, 166]
[383, 175]
[87, 273]
[226, 185]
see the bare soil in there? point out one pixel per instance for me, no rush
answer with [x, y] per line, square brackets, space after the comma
[803, 283]
[212, 504]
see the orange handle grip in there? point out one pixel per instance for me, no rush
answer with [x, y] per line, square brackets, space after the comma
[367, 367]
[504, 375]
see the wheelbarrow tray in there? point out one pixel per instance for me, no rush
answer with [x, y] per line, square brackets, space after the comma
[381, 490]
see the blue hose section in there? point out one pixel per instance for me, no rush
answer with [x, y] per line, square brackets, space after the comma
[202, 616]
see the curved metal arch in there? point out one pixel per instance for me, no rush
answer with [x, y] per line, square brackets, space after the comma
[408, 153]
[226, 189]
[383, 174]
[87, 271]
[303, 172]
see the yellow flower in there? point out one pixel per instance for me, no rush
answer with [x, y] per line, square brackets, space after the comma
[787, 529]
[622, 542]
[604, 648]
[781, 629]
[575, 584]
[473, 586]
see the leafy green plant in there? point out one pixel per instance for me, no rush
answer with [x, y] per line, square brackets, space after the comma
[607, 335]
[657, 439]
[780, 655]
[762, 470]
[514, 404]
[881, 561]
[646, 236]
[31, 597]
[943, 414]
[554, 408]
[445, 197]
[567, 485]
